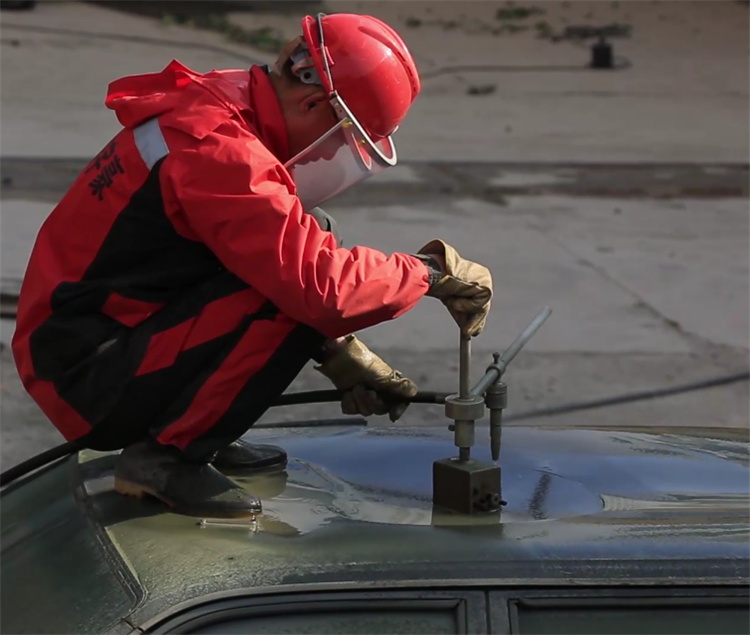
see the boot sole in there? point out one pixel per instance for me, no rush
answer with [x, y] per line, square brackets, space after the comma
[128, 488]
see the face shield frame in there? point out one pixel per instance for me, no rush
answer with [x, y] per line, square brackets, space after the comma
[342, 157]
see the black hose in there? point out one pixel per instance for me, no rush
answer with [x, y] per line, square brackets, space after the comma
[291, 399]
[630, 397]
[427, 397]
[40, 460]
[326, 396]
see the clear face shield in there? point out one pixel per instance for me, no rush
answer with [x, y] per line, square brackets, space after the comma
[341, 158]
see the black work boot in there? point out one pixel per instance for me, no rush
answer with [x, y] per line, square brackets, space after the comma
[193, 489]
[246, 457]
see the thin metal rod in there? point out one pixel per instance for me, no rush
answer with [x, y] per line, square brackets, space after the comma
[490, 377]
[464, 367]
[498, 368]
[510, 352]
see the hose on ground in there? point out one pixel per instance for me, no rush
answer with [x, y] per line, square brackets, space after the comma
[426, 397]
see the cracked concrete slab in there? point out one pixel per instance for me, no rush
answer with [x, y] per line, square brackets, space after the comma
[530, 271]
[687, 260]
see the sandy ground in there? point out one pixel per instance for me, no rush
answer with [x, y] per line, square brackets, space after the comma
[646, 268]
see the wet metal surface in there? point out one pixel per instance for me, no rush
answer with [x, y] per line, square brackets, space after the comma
[362, 498]
[353, 508]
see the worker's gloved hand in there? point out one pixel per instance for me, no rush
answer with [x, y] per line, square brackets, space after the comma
[465, 287]
[370, 386]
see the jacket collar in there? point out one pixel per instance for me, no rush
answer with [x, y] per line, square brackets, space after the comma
[265, 115]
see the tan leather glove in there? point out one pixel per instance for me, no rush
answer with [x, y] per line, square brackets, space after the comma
[465, 288]
[370, 386]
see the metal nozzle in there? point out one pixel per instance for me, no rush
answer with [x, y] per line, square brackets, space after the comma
[496, 400]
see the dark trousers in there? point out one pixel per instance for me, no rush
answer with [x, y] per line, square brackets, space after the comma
[197, 374]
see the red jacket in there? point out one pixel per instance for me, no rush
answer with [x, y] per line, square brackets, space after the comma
[170, 201]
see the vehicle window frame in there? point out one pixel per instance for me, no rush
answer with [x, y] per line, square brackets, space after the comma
[470, 606]
[503, 604]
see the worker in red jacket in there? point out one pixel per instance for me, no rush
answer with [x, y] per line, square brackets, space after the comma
[188, 275]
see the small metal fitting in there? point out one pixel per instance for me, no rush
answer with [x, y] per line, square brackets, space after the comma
[459, 409]
[464, 434]
[498, 364]
[496, 396]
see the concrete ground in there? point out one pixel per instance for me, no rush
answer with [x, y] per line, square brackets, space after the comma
[618, 198]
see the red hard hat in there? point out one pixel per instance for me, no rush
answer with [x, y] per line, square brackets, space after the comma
[370, 68]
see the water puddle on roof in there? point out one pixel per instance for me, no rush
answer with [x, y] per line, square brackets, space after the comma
[306, 497]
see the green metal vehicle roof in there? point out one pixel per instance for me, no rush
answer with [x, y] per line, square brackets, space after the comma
[353, 509]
